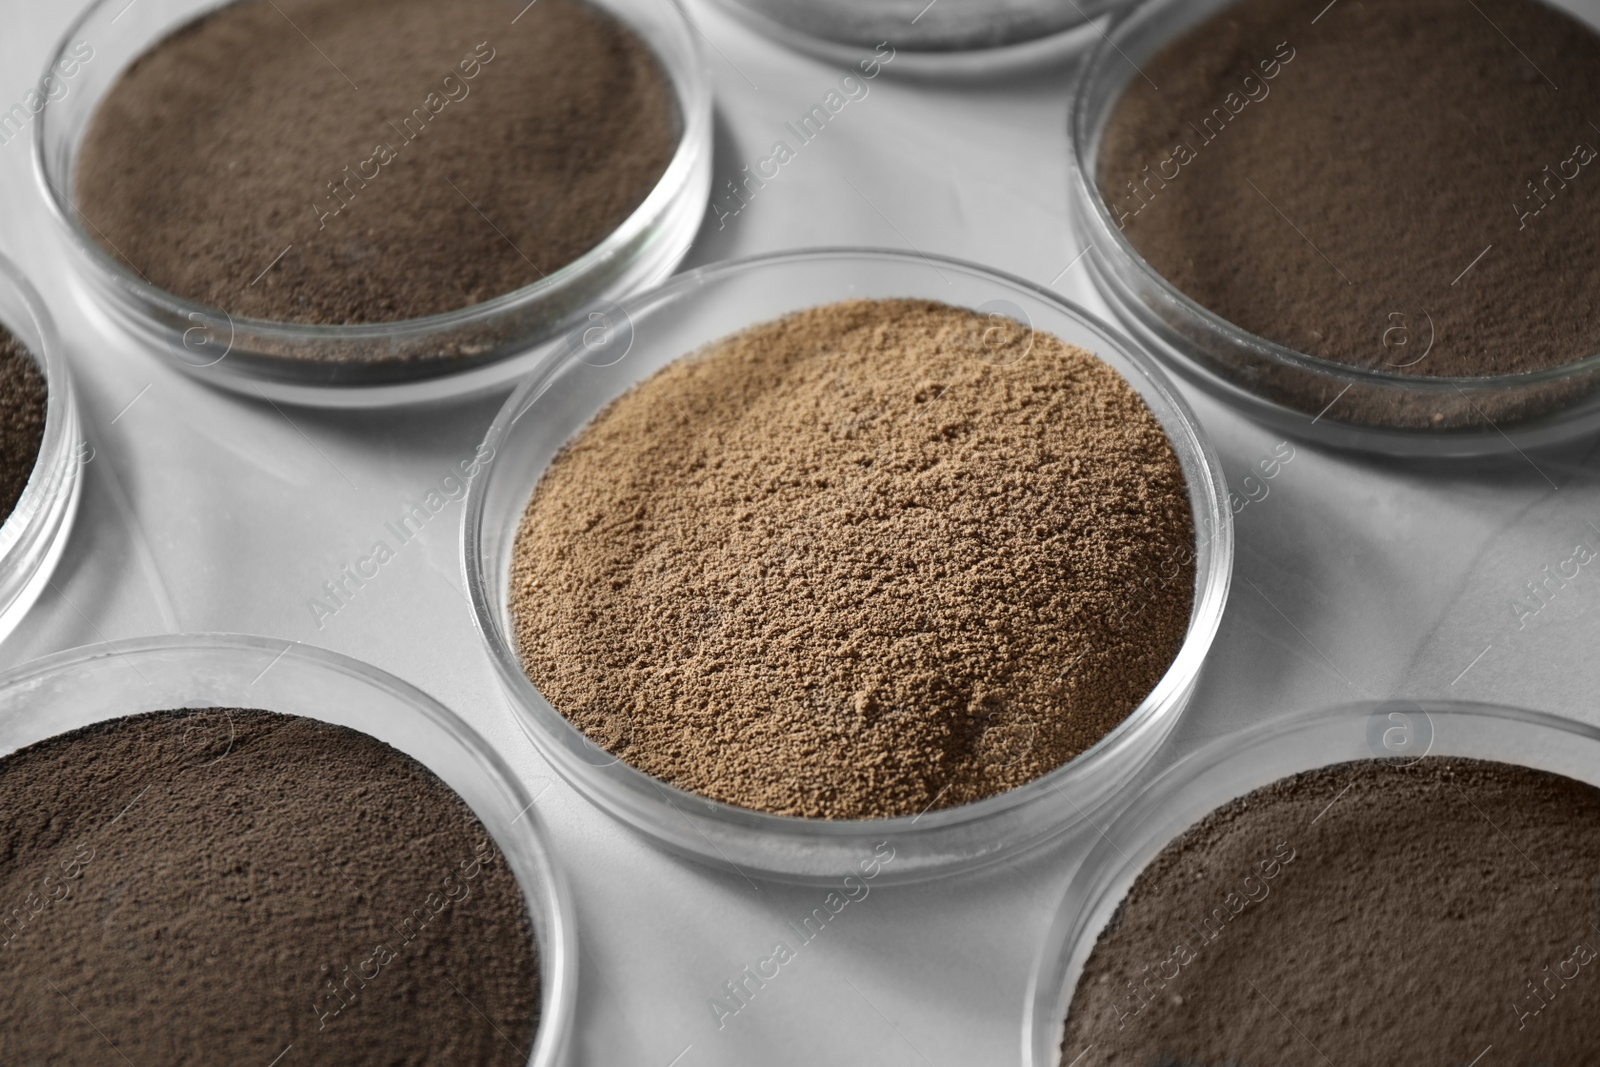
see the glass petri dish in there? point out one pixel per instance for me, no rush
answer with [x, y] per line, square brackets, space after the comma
[1296, 393]
[1234, 765]
[950, 37]
[81, 686]
[457, 353]
[647, 332]
[35, 533]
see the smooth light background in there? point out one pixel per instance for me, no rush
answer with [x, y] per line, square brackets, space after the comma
[1356, 578]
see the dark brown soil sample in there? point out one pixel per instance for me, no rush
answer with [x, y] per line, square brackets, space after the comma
[22, 414]
[227, 886]
[867, 560]
[1371, 913]
[350, 161]
[1321, 174]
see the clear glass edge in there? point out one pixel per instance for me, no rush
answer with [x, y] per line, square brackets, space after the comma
[32, 536]
[1023, 54]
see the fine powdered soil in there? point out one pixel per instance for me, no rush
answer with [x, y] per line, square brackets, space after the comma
[22, 414]
[405, 157]
[217, 886]
[1328, 179]
[1372, 913]
[867, 560]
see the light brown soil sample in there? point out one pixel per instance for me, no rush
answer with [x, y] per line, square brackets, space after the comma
[867, 560]
[1371, 913]
[219, 886]
[405, 157]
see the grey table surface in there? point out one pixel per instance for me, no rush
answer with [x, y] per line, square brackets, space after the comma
[1356, 578]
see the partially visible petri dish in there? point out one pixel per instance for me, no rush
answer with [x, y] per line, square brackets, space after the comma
[1232, 766]
[467, 351]
[1313, 398]
[35, 533]
[959, 38]
[645, 333]
[82, 686]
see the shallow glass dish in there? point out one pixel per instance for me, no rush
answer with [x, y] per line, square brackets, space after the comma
[1232, 766]
[469, 350]
[34, 534]
[947, 37]
[653, 329]
[1304, 395]
[81, 686]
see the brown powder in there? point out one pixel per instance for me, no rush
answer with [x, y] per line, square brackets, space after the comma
[1322, 182]
[478, 155]
[216, 886]
[1369, 913]
[866, 560]
[22, 414]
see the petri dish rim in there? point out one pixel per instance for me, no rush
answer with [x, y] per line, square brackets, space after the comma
[930, 62]
[34, 535]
